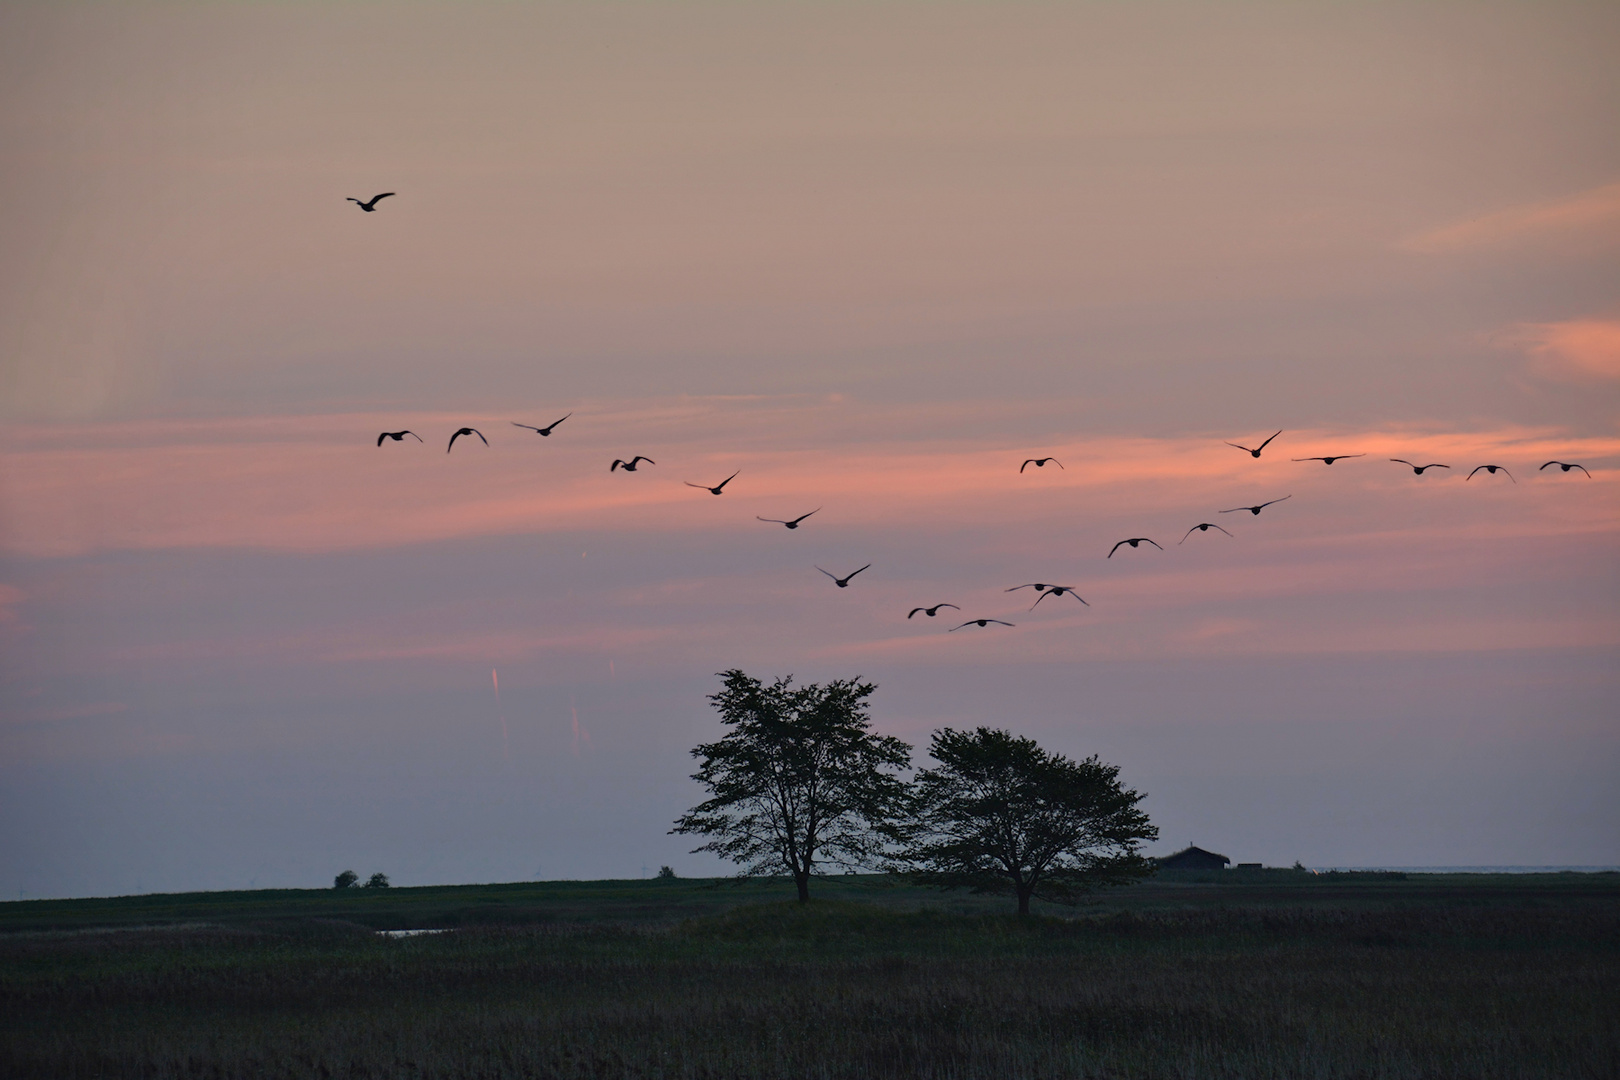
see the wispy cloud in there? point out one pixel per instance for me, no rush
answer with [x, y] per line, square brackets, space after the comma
[1588, 219]
[1578, 349]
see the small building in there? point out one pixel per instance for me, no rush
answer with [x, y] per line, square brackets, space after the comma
[1193, 858]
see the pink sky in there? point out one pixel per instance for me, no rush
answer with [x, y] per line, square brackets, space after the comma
[874, 258]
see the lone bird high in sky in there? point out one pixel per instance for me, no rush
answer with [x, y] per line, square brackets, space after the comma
[1039, 463]
[631, 465]
[398, 436]
[843, 582]
[368, 207]
[718, 489]
[542, 431]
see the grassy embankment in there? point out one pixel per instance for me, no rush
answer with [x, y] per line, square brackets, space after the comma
[1271, 975]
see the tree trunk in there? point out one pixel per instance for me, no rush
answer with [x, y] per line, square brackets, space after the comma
[1023, 900]
[802, 880]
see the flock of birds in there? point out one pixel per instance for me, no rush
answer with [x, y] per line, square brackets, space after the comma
[1042, 589]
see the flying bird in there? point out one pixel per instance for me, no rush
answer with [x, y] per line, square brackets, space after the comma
[541, 430]
[368, 207]
[1417, 470]
[932, 611]
[1565, 466]
[1493, 469]
[1040, 463]
[1133, 541]
[1048, 590]
[399, 436]
[465, 431]
[1202, 526]
[718, 489]
[630, 466]
[1330, 459]
[794, 524]
[1255, 510]
[978, 622]
[1256, 451]
[843, 582]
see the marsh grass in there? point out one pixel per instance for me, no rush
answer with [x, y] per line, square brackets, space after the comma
[843, 989]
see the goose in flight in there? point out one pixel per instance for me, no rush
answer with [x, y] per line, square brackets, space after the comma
[843, 582]
[630, 466]
[1202, 526]
[399, 436]
[368, 207]
[541, 430]
[1417, 470]
[1565, 466]
[978, 622]
[1133, 541]
[466, 431]
[1329, 459]
[1493, 470]
[1255, 510]
[1256, 451]
[1048, 590]
[718, 489]
[1040, 463]
[932, 611]
[794, 524]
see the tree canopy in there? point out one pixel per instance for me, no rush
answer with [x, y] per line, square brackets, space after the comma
[799, 781]
[1000, 814]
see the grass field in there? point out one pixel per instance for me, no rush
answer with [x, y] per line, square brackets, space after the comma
[1268, 975]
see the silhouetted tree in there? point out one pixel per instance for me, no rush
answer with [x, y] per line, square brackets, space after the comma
[376, 881]
[799, 780]
[345, 879]
[999, 814]
[666, 873]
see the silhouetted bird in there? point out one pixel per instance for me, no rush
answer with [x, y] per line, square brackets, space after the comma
[466, 431]
[794, 524]
[1565, 466]
[368, 207]
[1256, 451]
[399, 436]
[1417, 470]
[843, 582]
[1040, 463]
[932, 611]
[1202, 526]
[978, 622]
[1329, 460]
[718, 488]
[1048, 590]
[541, 430]
[1255, 510]
[1133, 541]
[1057, 590]
[630, 466]
[1493, 470]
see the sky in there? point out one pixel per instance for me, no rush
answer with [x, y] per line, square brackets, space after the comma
[871, 257]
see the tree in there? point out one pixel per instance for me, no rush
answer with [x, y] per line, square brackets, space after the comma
[345, 879]
[999, 814]
[666, 873]
[799, 780]
[376, 881]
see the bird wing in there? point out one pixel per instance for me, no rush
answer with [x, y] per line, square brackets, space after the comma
[868, 566]
[1577, 465]
[1015, 588]
[531, 427]
[1266, 504]
[1116, 547]
[915, 610]
[381, 437]
[1058, 463]
[728, 479]
[1027, 463]
[833, 576]
[1403, 461]
[953, 607]
[1215, 526]
[689, 483]
[1509, 475]
[1188, 533]
[773, 521]
[999, 622]
[801, 517]
[615, 465]
[1154, 544]
[638, 457]
[1240, 446]
[384, 195]
[1235, 509]
[1038, 600]
[453, 439]
[1476, 469]
[1550, 463]
[954, 629]
[1268, 441]
[480, 435]
[354, 200]
[559, 420]
[412, 434]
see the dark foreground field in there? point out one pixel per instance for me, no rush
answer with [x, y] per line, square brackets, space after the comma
[1272, 975]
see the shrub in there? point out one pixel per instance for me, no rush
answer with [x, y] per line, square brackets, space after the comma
[376, 881]
[345, 879]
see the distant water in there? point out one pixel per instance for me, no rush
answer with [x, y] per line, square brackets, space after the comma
[1481, 869]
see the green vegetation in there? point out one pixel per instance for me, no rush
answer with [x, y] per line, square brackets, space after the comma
[1279, 974]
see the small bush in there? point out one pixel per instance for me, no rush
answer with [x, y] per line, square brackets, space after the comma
[376, 881]
[345, 879]
[666, 873]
